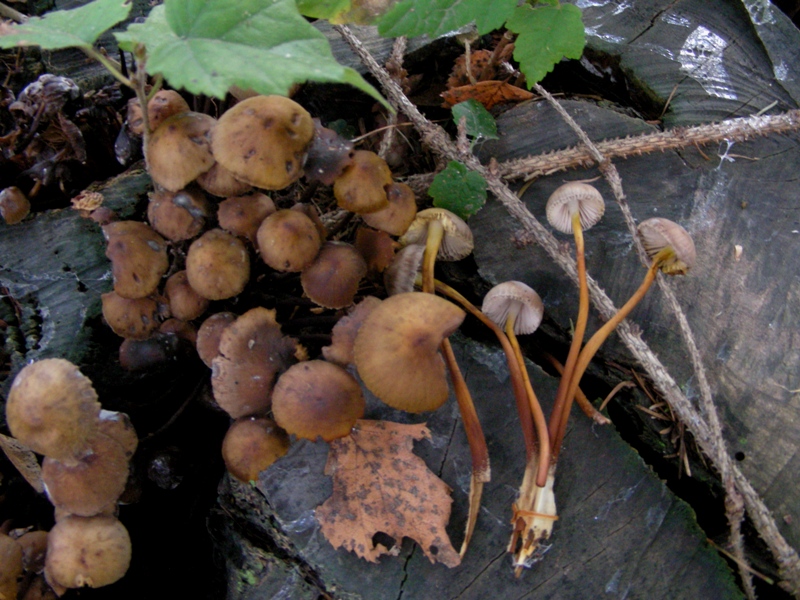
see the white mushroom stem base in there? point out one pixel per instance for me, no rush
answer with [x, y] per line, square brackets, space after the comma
[534, 516]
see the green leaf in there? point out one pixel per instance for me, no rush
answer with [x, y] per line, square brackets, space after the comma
[323, 9]
[546, 34]
[437, 17]
[263, 45]
[459, 190]
[479, 122]
[79, 27]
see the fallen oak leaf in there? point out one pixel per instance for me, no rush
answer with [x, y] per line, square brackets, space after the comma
[380, 485]
[488, 93]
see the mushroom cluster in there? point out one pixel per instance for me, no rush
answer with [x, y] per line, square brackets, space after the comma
[53, 409]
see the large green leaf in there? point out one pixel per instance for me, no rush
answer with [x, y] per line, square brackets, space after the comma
[263, 45]
[546, 34]
[79, 27]
[458, 190]
[437, 17]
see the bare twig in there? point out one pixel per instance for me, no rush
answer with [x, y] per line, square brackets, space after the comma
[436, 138]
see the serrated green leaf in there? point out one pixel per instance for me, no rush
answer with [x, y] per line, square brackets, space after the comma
[323, 9]
[480, 124]
[79, 27]
[437, 17]
[458, 190]
[263, 45]
[546, 34]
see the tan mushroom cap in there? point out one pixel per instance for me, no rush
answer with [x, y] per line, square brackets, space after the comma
[401, 275]
[34, 547]
[573, 197]
[88, 487]
[377, 248]
[87, 551]
[457, 241]
[243, 215]
[251, 445]
[252, 352]
[11, 564]
[514, 297]
[163, 105]
[118, 426]
[138, 257]
[343, 334]
[209, 334]
[180, 150]
[332, 278]
[662, 235]
[179, 215]
[219, 181]
[288, 240]
[316, 398]
[263, 141]
[361, 188]
[396, 218]
[184, 302]
[218, 265]
[396, 350]
[130, 318]
[14, 205]
[52, 409]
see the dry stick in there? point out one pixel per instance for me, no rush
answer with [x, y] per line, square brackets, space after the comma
[734, 505]
[396, 62]
[437, 139]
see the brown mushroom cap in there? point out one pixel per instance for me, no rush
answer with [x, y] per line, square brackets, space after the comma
[218, 265]
[396, 350]
[573, 197]
[332, 278]
[209, 334]
[457, 241]
[251, 445]
[180, 329]
[252, 352]
[184, 302]
[130, 318]
[243, 215]
[398, 216]
[179, 215]
[87, 551]
[10, 566]
[180, 150]
[163, 105]
[660, 234]
[361, 188]
[317, 399]
[219, 181]
[52, 408]
[91, 485]
[118, 426]
[34, 547]
[288, 240]
[328, 155]
[517, 298]
[376, 247]
[263, 141]
[138, 257]
[14, 205]
[343, 335]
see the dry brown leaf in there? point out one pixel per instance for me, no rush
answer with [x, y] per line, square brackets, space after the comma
[488, 93]
[24, 460]
[380, 485]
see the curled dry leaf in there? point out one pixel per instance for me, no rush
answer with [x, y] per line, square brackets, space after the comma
[380, 485]
[488, 93]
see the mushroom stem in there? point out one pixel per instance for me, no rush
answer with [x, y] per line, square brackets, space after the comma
[514, 369]
[432, 243]
[577, 335]
[536, 409]
[534, 517]
[600, 336]
[583, 402]
[481, 470]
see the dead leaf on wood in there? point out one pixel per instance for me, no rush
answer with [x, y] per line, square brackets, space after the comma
[380, 485]
[488, 93]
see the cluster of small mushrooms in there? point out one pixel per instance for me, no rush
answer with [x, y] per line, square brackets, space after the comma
[211, 179]
[53, 410]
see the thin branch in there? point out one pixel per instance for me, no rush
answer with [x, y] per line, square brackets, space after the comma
[10, 13]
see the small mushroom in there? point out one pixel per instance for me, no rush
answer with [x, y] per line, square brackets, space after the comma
[138, 258]
[396, 218]
[10, 566]
[184, 302]
[87, 552]
[361, 188]
[288, 240]
[376, 247]
[135, 319]
[164, 104]
[332, 278]
[14, 205]
[209, 334]
[178, 215]
[343, 334]
[52, 408]
[316, 398]
[328, 155]
[404, 271]
[396, 350]
[219, 181]
[180, 150]
[251, 445]
[243, 215]
[217, 265]
[263, 141]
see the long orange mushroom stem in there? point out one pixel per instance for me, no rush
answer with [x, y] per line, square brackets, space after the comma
[432, 243]
[577, 336]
